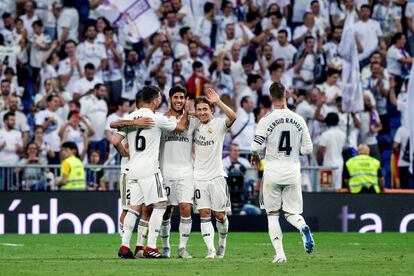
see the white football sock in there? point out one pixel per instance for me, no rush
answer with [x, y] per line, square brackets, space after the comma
[184, 230]
[275, 234]
[154, 225]
[121, 229]
[296, 220]
[129, 224]
[207, 231]
[222, 229]
[142, 233]
[165, 233]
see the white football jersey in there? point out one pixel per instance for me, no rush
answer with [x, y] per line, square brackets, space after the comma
[144, 143]
[286, 136]
[176, 151]
[208, 144]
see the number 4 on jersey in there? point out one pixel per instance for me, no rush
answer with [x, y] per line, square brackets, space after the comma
[284, 142]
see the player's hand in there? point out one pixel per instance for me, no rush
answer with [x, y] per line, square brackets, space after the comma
[255, 160]
[187, 105]
[212, 95]
[144, 122]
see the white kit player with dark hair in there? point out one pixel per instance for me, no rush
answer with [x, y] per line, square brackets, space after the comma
[211, 192]
[177, 169]
[286, 137]
[144, 177]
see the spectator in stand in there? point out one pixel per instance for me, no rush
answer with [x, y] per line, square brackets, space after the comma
[254, 85]
[45, 152]
[244, 127]
[134, 74]
[171, 28]
[70, 69]
[5, 94]
[176, 75]
[74, 130]
[29, 17]
[50, 66]
[90, 51]
[181, 50]
[284, 49]
[95, 109]
[307, 29]
[370, 35]
[95, 177]
[11, 142]
[189, 61]
[370, 126]
[206, 27]
[51, 122]
[234, 158]
[20, 119]
[112, 75]
[379, 86]
[401, 146]
[331, 144]
[399, 62]
[122, 109]
[67, 21]
[87, 83]
[195, 83]
[330, 87]
[388, 14]
[32, 179]
[184, 13]
[330, 49]
[40, 43]
[307, 65]
[222, 78]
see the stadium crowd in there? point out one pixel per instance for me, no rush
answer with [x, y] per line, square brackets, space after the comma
[66, 73]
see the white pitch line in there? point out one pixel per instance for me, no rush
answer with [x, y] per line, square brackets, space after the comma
[12, 244]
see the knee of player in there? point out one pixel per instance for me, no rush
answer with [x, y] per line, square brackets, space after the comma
[220, 215]
[168, 212]
[205, 213]
[160, 205]
[185, 209]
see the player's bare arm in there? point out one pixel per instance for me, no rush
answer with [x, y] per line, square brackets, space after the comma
[141, 122]
[123, 151]
[214, 98]
[183, 123]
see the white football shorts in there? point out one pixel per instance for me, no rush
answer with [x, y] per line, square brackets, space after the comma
[148, 190]
[278, 196]
[179, 190]
[212, 194]
[124, 191]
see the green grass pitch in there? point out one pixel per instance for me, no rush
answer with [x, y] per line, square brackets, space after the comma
[247, 254]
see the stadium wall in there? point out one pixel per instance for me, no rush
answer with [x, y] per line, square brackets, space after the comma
[89, 212]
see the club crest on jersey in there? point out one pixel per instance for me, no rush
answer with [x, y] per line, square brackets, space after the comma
[210, 130]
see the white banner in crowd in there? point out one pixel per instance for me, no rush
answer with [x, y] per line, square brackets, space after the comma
[352, 97]
[410, 115]
[136, 15]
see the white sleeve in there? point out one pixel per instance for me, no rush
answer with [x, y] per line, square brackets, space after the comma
[323, 140]
[164, 123]
[306, 141]
[398, 136]
[259, 138]
[39, 118]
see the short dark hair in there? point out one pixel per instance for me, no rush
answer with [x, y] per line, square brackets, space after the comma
[9, 70]
[265, 101]
[138, 97]
[38, 23]
[251, 16]
[177, 89]
[89, 66]
[183, 31]
[277, 90]
[108, 29]
[197, 64]
[71, 113]
[283, 31]
[50, 97]
[308, 37]
[70, 41]
[5, 80]
[396, 37]
[331, 119]
[208, 7]
[331, 72]
[149, 93]
[98, 85]
[6, 15]
[278, 14]
[7, 115]
[122, 101]
[201, 100]
[75, 102]
[252, 78]
[274, 67]
[365, 6]
[243, 100]
[246, 60]
[70, 145]
[314, 1]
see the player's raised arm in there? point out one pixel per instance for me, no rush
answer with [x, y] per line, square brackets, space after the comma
[183, 123]
[306, 146]
[214, 98]
[144, 122]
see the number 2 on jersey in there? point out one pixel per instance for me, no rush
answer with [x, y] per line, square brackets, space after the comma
[139, 141]
[284, 142]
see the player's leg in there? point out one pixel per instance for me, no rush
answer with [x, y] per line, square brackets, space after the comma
[170, 188]
[293, 208]
[272, 202]
[165, 231]
[155, 195]
[203, 204]
[220, 198]
[124, 194]
[185, 196]
[130, 219]
[142, 231]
